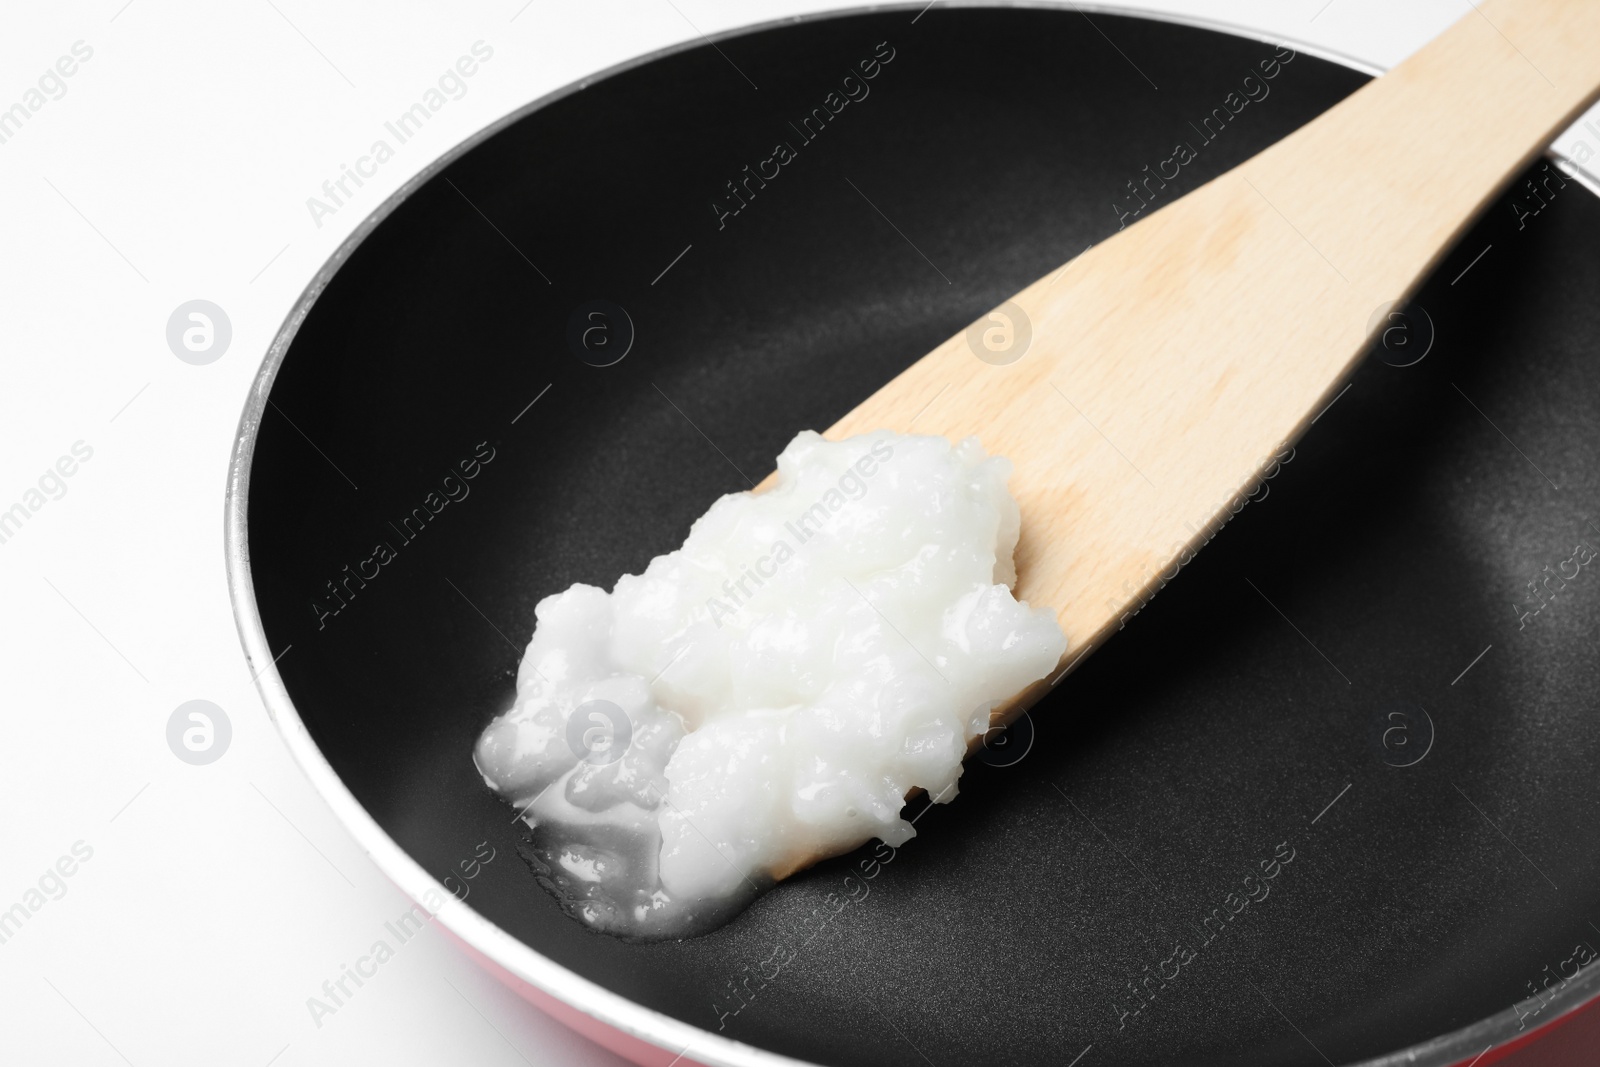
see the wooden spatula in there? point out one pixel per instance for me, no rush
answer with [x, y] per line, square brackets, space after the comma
[1169, 365]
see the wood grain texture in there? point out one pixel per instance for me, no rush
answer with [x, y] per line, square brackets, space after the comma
[1169, 364]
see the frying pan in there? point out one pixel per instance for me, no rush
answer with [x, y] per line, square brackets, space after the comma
[1331, 796]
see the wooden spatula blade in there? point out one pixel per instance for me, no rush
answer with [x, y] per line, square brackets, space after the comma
[1166, 369]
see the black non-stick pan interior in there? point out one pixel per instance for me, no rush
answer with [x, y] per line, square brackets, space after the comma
[1293, 704]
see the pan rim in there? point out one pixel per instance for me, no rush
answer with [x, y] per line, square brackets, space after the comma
[477, 932]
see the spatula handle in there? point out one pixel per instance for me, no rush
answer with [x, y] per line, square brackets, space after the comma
[1424, 149]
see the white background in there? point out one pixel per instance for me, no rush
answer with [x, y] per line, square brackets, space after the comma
[177, 166]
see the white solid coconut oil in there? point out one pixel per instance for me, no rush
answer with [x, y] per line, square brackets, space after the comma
[768, 694]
